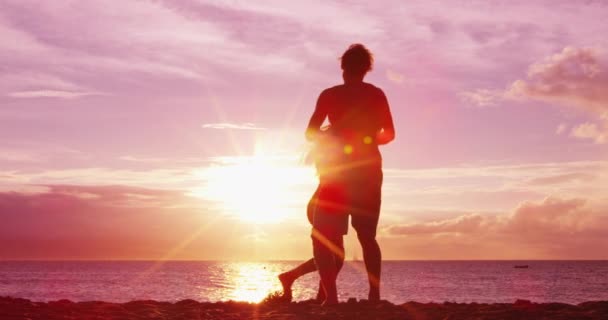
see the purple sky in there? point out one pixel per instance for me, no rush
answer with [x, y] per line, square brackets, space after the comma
[115, 117]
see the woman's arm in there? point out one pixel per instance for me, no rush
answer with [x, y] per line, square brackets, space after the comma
[317, 118]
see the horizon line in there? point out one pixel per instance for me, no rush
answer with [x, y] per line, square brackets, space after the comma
[291, 260]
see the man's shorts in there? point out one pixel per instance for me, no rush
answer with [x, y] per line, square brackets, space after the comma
[357, 194]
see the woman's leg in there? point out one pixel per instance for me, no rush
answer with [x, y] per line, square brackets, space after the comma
[339, 259]
[331, 253]
[329, 258]
[330, 223]
[287, 278]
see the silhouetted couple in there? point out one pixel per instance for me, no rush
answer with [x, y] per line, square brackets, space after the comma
[349, 166]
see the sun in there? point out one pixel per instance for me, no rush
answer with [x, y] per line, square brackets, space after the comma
[255, 189]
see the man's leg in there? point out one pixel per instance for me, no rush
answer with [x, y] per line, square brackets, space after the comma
[373, 260]
[365, 213]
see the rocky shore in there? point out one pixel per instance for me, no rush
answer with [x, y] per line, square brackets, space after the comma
[15, 308]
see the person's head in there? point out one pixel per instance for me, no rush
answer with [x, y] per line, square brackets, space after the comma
[356, 61]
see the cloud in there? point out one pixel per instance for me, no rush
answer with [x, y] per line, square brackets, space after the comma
[121, 196]
[96, 222]
[19, 156]
[563, 178]
[461, 224]
[561, 128]
[574, 77]
[554, 217]
[123, 222]
[178, 177]
[138, 44]
[161, 45]
[552, 228]
[591, 131]
[353, 22]
[490, 188]
[50, 94]
[394, 76]
[482, 97]
[466, 188]
[25, 84]
[143, 159]
[233, 126]
[514, 171]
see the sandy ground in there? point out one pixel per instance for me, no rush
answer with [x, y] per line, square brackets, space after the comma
[13, 308]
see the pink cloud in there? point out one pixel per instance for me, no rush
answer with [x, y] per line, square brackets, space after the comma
[234, 126]
[461, 224]
[591, 131]
[555, 217]
[95, 222]
[49, 94]
[575, 77]
[100, 222]
[121, 222]
[563, 178]
[554, 228]
[482, 97]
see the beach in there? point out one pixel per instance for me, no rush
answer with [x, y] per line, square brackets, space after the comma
[16, 308]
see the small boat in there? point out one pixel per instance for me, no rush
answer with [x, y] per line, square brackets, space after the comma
[521, 266]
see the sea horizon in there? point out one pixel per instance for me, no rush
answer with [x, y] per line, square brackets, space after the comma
[479, 281]
[280, 260]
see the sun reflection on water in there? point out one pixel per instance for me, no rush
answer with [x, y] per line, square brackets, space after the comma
[253, 282]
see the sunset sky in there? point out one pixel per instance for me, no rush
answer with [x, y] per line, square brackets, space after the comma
[175, 129]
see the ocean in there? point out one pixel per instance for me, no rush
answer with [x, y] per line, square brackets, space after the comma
[423, 281]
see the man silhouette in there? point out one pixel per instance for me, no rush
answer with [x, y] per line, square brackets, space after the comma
[360, 120]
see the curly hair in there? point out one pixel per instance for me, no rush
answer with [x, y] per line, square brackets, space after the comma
[357, 59]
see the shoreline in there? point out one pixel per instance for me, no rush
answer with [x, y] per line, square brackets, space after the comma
[19, 308]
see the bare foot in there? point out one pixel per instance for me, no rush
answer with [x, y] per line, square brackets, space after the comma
[374, 296]
[286, 282]
[320, 294]
[330, 302]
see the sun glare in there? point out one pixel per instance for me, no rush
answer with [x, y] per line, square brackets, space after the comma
[253, 282]
[255, 189]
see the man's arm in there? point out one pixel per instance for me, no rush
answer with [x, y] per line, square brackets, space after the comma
[387, 131]
[317, 118]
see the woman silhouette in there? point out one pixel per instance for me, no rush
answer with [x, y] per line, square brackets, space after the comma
[322, 155]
